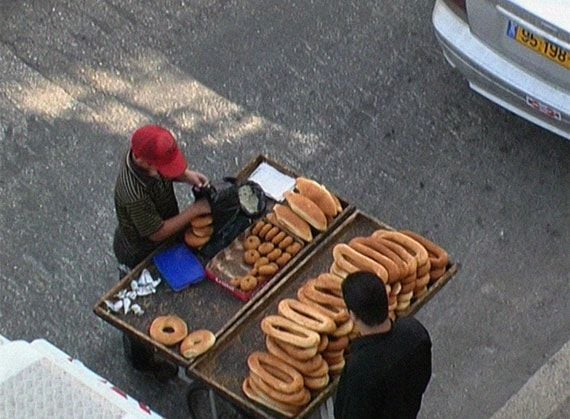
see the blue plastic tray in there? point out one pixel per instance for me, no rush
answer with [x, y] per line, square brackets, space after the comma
[179, 267]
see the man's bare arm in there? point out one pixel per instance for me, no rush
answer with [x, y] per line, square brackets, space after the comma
[175, 224]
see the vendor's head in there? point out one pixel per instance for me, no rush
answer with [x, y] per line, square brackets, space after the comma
[155, 150]
[365, 297]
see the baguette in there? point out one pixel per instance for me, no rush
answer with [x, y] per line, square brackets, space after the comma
[307, 210]
[292, 222]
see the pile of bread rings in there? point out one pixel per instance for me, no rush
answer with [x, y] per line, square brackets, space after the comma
[305, 343]
[172, 330]
[199, 232]
[405, 261]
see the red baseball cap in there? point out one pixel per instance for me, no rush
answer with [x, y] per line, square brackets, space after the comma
[157, 147]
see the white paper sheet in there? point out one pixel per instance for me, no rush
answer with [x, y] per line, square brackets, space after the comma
[273, 182]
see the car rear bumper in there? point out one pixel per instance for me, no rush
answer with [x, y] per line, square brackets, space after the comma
[498, 79]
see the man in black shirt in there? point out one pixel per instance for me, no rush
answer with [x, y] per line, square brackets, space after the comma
[389, 365]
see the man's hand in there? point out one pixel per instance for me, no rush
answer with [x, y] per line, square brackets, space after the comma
[193, 178]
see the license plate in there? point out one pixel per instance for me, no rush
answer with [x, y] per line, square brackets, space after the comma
[539, 45]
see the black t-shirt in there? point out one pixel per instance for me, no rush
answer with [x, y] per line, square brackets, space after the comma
[386, 373]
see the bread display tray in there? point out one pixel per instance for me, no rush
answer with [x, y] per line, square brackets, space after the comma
[224, 367]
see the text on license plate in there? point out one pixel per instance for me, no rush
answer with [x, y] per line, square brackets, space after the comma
[539, 45]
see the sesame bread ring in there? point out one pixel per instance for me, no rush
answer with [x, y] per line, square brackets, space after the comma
[257, 228]
[338, 314]
[317, 383]
[405, 296]
[257, 363]
[306, 316]
[423, 270]
[168, 330]
[201, 221]
[337, 271]
[268, 270]
[235, 282]
[438, 256]
[196, 343]
[272, 233]
[300, 398]
[381, 248]
[422, 281]
[265, 248]
[323, 344]
[303, 367]
[336, 369]
[274, 254]
[344, 328]
[286, 330]
[401, 251]
[286, 242]
[412, 246]
[330, 283]
[337, 343]
[278, 238]
[300, 354]
[251, 242]
[322, 295]
[283, 259]
[264, 230]
[363, 245]
[333, 359]
[322, 369]
[265, 400]
[436, 273]
[203, 231]
[194, 241]
[396, 288]
[344, 253]
[251, 256]
[418, 293]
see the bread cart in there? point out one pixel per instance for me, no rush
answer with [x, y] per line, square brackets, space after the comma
[213, 304]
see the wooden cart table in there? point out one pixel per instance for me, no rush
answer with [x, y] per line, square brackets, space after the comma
[236, 324]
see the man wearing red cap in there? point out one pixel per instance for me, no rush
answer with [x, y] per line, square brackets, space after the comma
[147, 209]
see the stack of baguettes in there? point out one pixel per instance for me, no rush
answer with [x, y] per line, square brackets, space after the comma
[405, 261]
[311, 207]
[307, 337]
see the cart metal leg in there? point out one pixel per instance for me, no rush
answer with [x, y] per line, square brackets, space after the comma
[327, 409]
[195, 386]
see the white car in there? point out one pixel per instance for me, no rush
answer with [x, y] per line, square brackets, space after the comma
[514, 52]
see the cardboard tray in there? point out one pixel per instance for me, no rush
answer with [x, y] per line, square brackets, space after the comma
[201, 305]
[224, 367]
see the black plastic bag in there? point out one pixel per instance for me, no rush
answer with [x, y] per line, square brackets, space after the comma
[234, 206]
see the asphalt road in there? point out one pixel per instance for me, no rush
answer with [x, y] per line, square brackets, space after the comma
[355, 94]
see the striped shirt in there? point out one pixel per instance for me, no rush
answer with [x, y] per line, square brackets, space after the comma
[142, 203]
